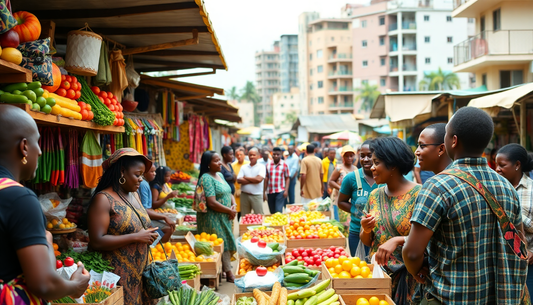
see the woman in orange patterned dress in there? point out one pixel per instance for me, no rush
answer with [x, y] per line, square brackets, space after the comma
[388, 213]
[119, 226]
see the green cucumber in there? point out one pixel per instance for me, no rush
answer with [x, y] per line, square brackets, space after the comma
[292, 285]
[301, 278]
[326, 295]
[39, 91]
[291, 296]
[335, 303]
[34, 85]
[292, 269]
[290, 302]
[322, 285]
[332, 299]
[17, 86]
[293, 263]
[273, 246]
[299, 302]
[312, 301]
[305, 293]
[13, 99]
[17, 92]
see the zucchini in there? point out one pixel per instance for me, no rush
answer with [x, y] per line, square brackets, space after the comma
[322, 286]
[301, 278]
[292, 263]
[290, 302]
[299, 302]
[326, 295]
[292, 269]
[332, 299]
[13, 87]
[292, 285]
[305, 293]
[34, 85]
[312, 301]
[13, 99]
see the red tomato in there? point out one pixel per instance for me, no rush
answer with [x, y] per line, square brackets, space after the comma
[114, 100]
[103, 94]
[91, 116]
[120, 108]
[61, 92]
[96, 90]
[63, 77]
[88, 107]
[101, 99]
[121, 122]
[78, 95]
[69, 261]
[84, 115]
[71, 94]
[65, 85]
[112, 108]
[108, 101]
[110, 95]
[74, 79]
[59, 264]
[82, 105]
[115, 123]
[261, 271]
[74, 86]
[68, 78]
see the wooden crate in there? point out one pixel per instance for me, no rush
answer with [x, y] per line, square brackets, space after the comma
[375, 285]
[211, 283]
[116, 298]
[219, 248]
[315, 243]
[351, 299]
[237, 296]
[195, 282]
[211, 269]
[236, 273]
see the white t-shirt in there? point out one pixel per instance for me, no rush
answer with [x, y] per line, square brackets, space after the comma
[252, 171]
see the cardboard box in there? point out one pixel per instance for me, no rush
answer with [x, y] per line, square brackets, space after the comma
[315, 243]
[209, 269]
[351, 299]
[116, 298]
[376, 285]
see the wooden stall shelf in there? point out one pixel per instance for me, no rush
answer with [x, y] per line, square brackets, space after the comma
[315, 243]
[374, 285]
[12, 73]
[351, 299]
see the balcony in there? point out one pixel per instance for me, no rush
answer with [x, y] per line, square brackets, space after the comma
[472, 8]
[341, 105]
[493, 47]
[393, 27]
[340, 74]
[341, 90]
[409, 47]
[340, 57]
[409, 68]
[409, 25]
[393, 68]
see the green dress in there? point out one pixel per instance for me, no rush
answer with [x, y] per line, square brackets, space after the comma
[214, 222]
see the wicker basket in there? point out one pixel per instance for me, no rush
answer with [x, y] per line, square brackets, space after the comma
[83, 52]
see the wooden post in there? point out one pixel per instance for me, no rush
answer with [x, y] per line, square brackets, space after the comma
[48, 29]
[523, 123]
[162, 46]
[450, 109]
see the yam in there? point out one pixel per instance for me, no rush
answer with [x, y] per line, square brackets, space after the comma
[283, 296]
[276, 289]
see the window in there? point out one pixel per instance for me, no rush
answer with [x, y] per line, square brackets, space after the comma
[426, 17]
[496, 20]
[449, 39]
[321, 112]
[310, 56]
[426, 39]
[450, 60]
[382, 40]
[365, 63]
[282, 105]
[320, 84]
[484, 79]
[428, 60]
[471, 20]
[319, 69]
[382, 82]
[311, 87]
[448, 18]
[319, 54]
[381, 20]
[332, 38]
[382, 61]
[364, 81]
[311, 71]
[364, 43]
[321, 100]
[511, 78]
[363, 24]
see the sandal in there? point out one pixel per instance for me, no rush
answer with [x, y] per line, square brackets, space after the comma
[230, 278]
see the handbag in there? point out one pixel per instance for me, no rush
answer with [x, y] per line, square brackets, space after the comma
[158, 277]
[199, 203]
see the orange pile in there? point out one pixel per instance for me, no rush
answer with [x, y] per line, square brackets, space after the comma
[268, 235]
[56, 224]
[348, 268]
[302, 230]
[183, 253]
[372, 301]
[56, 251]
[212, 238]
[180, 176]
[245, 266]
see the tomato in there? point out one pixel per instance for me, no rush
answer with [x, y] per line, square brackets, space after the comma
[110, 95]
[78, 95]
[112, 108]
[84, 114]
[88, 107]
[65, 85]
[261, 271]
[61, 92]
[71, 94]
[74, 79]
[68, 78]
[82, 105]
[69, 261]
[101, 99]
[91, 116]
[74, 86]
[96, 90]
[103, 94]
[59, 264]
[115, 122]
[120, 108]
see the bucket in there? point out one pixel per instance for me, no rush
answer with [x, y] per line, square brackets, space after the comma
[83, 52]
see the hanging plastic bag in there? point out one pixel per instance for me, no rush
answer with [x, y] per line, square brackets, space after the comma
[377, 273]
[54, 207]
[133, 77]
[260, 259]
[360, 251]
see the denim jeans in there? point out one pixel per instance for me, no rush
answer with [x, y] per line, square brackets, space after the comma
[353, 242]
[292, 185]
[276, 202]
[336, 212]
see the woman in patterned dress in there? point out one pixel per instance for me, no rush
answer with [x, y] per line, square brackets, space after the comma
[335, 181]
[119, 226]
[388, 213]
[220, 208]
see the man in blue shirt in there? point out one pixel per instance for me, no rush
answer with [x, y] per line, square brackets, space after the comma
[293, 164]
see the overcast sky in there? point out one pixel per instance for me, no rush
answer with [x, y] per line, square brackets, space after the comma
[246, 26]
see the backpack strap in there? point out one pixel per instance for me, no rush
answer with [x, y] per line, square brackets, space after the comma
[358, 180]
[510, 233]
[6, 182]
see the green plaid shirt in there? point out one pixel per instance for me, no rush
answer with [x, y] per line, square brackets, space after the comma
[469, 260]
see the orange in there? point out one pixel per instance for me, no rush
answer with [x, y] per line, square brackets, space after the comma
[347, 265]
[335, 275]
[55, 222]
[331, 270]
[355, 271]
[55, 247]
[338, 269]
[363, 264]
[362, 301]
[365, 271]
[342, 259]
[344, 275]
[61, 226]
[336, 261]
[49, 226]
[329, 263]
[356, 260]
[383, 302]
[373, 301]
[358, 277]
[213, 237]
[65, 221]
[203, 235]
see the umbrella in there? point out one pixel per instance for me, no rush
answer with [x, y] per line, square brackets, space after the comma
[345, 136]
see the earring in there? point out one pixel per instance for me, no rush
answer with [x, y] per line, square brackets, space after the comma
[517, 168]
[122, 180]
[439, 155]
[24, 161]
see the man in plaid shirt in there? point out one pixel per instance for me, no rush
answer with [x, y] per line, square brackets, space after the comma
[468, 259]
[277, 182]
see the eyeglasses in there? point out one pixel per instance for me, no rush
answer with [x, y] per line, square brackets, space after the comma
[426, 145]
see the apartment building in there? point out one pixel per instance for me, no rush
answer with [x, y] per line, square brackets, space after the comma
[303, 74]
[288, 59]
[246, 112]
[396, 42]
[329, 66]
[500, 54]
[267, 79]
[286, 105]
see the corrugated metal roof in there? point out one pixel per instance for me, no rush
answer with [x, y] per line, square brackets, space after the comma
[327, 123]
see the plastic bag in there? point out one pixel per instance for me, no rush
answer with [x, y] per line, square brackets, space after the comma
[377, 273]
[133, 77]
[224, 298]
[53, 206]
[258, 259]
[360, 251]
[311, 283]
[313, 205]
[251, 281]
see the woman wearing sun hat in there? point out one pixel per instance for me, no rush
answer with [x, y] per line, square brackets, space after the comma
[119, 226]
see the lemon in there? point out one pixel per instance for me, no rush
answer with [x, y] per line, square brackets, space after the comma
[373, 301]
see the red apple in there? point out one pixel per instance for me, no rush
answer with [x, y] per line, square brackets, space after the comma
[10, 39]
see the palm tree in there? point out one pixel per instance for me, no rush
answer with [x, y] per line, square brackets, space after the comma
[232, 93]
[368, 94]
[249, 94]
[439, 80]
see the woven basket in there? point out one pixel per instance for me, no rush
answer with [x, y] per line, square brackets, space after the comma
[83, 52]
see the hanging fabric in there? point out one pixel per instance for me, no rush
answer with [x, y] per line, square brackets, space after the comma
[118, 72]
[91, 167]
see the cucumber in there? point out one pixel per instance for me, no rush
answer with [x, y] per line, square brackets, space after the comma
[320, 293]
[305, 293]
[301, 278]
[335, 303]
[311, 273]
[326, 295]
[13, 99]
[292, 269]
[322, 285]
[31, 96]
[290, 302]
[13, 87]
[34, 85]
[299, 302]
[291, 296]
[312, 301]
[293, 263]
[332, 299]
[292, 285]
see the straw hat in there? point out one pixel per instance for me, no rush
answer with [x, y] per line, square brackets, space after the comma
[347, 148]
[125, 152]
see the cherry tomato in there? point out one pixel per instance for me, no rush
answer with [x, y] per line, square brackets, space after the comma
[74, 79]
[71, 94]
[78, 95]
[68, 78]
[112, 107]
[101, 99]
[65, 85]
[82, 105]
[96, 90]
[84, 114]
[61, 92]
[74, 86]
[103, 94]
[110, 95]
[88, 106]
[115, 123]
[91, 116]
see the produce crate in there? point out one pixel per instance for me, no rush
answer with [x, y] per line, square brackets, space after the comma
[116, 298]
[351, 299]
[237, 296]
[315, 243]
[195, 282]
[266, 224]
[236, 273]
[326, 213]
[211, 269]
[244, 227]
[312, 268]
[219, 248]
[369, 286]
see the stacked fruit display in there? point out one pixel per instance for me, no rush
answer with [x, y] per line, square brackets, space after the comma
[277, 219]
[252, 219]
[313, 257]
[69, 87]
[168, 211]
[371, 301]
[293, 208]
[303, 230]
[306, 216]
[348, 267]
[63, 224]
[212, 238]
[265, 234]
[111, 103]
[297, 275]
[180, 176]
[245, 266]
[183, 253]
[86, 111]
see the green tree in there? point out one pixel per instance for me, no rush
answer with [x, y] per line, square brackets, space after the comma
[269, 120]
[232, 93]
[439, 80]
[368, 94]
[249, 94]
[291, 117]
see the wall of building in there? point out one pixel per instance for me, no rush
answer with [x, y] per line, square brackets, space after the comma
[493, 74]
[246, 112]
[267, 74]
[303, 20]
[284, 104]
[288, 62]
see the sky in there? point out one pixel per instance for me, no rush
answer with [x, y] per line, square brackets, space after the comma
[246, 26]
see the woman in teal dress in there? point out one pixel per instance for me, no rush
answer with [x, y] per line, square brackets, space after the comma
[221, 208]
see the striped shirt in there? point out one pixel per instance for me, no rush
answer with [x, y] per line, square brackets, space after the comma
[525, 194]
[469, 260]
[276, 176]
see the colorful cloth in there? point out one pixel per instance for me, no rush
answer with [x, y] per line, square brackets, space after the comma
[16, 293]
[129, 261]
[392, 219]
[344, 217]
[326, 164]
[276, 174]
[214, 222]
[525, 194]
[469, 260]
